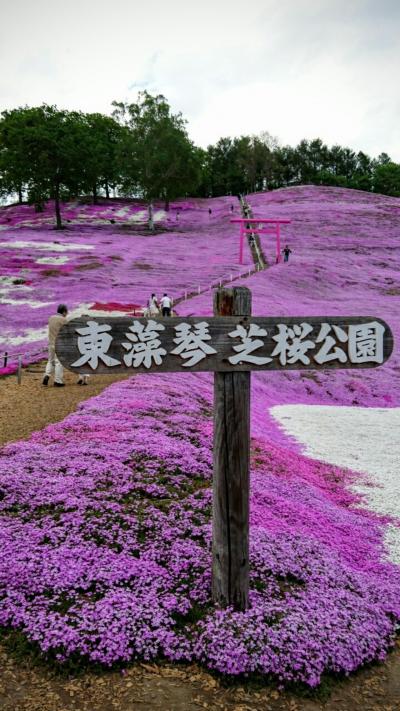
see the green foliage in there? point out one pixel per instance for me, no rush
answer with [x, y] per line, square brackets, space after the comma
[144, 150]
[238, 165]
[42, 150]
[387, 179]
[157, 158]
[102, 168]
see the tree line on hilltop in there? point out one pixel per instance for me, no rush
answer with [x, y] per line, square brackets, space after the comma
[144, 150]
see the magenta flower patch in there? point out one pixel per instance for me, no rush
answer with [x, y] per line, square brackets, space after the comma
[105, 537]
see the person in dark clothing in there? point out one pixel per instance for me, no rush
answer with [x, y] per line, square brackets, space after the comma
[166, 305]
[286, 253]
[209, 211]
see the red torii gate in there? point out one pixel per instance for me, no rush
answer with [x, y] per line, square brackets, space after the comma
[273, 230]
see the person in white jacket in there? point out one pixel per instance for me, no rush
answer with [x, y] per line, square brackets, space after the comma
[153, 307]
[53, 364]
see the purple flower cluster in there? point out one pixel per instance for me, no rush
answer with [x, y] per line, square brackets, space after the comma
[96, 261]
[105, 538]
[345, 261]
[105, 517]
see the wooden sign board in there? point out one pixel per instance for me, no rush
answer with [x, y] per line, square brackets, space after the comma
[231, 344]
[223, 343]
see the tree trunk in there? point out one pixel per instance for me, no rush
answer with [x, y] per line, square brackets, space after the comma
[107, 190]
[94, 193]
[20, 194]
[151, 217]
[230, 541]
[59, 224]
[166, 206]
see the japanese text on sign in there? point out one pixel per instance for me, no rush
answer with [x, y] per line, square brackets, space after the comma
[223, 343]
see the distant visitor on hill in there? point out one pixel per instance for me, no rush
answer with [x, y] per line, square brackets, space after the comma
[166, 305]
[210, 211]
[153, 307]
[286, 251]
[53, 364]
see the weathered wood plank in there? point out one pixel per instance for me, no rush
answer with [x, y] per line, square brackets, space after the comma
[230, 572]
[220, 341]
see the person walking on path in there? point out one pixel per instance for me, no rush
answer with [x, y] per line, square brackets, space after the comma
[53, 364]
[166, 305]
[153, 307]
[286, 251]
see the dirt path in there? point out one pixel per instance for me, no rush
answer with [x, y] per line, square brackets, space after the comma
[25, 686]
[29, 407]
[172, 688]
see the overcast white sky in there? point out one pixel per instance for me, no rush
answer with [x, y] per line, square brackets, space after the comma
[295, 68]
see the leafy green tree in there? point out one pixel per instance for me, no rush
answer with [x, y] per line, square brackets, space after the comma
[221, 168]
[286, 167]
[239, 165]
[383, 159]
[13, 163]
[253, 159]
[361, 178]
[158, 160]
[312, 160]
[103, 140]
[144, 150]
[386, 179]
[49, 148]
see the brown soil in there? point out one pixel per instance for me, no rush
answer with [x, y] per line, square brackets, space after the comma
[29, 407]
[27, 686]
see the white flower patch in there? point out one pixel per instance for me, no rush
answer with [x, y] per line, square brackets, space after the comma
[140, 216]
[122, 212]
[52, 260]
[159, 215]
[46, 246]
[29, 336]
[86, 310]
[26, 302]
[363, 439]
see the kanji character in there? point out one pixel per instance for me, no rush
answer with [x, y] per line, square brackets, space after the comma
[144, 345]
[191, 344]
[329, 349]
[291, 344]
[93, 343]
[248, 345]
[366, 342]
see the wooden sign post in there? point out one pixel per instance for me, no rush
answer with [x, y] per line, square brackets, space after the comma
[231, 344]
[231, 480]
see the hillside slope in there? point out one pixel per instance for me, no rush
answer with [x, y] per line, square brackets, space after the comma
[105, 517]
[345, 261]
[97, 264]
